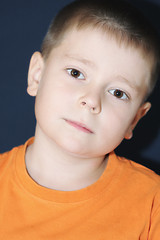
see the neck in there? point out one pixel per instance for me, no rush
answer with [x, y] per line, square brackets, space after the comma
[52, 167]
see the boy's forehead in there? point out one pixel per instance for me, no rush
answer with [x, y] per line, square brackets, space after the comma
[104, 34]
[75, 40]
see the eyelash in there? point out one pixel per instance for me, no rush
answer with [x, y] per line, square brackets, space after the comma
[79, 75]
[119, 94]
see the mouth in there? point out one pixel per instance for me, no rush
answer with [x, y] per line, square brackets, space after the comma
[79, 126]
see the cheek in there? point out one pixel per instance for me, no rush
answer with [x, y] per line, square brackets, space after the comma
[117, 119]
[53, 98]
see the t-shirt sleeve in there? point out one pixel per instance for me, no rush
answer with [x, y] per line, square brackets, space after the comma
[154, 231]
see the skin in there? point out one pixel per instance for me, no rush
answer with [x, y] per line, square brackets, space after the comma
[89, 95]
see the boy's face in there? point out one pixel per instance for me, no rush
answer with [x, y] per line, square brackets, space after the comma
[89, 92]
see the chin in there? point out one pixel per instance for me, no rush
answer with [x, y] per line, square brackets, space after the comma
[74, 148]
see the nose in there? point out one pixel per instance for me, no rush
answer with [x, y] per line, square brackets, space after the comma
[91, 101]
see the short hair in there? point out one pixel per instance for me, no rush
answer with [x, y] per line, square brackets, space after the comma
[117, 17]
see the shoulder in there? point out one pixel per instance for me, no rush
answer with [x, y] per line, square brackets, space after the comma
[138, 176]
[141, 170]
[13, 161]
[7, 158]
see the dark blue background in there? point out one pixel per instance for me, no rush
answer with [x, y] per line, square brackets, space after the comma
[23, 24]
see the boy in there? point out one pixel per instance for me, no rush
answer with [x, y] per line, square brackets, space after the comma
[99, 62]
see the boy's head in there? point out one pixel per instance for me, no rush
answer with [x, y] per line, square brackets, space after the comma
[96, 68]
[117, 18]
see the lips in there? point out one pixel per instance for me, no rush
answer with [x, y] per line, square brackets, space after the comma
[79, 126]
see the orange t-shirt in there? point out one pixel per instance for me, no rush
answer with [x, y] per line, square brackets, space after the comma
[124, 204]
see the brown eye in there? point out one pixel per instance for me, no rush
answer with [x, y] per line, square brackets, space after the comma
[119, 94]
[75, 73]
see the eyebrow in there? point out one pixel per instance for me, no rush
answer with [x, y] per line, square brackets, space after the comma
[80, 59]
[129, 83]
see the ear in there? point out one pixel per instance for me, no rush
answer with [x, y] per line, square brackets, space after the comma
[142, 111]
[35, 72]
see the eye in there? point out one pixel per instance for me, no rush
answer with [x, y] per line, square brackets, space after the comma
[119, 94]
[75, 73]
